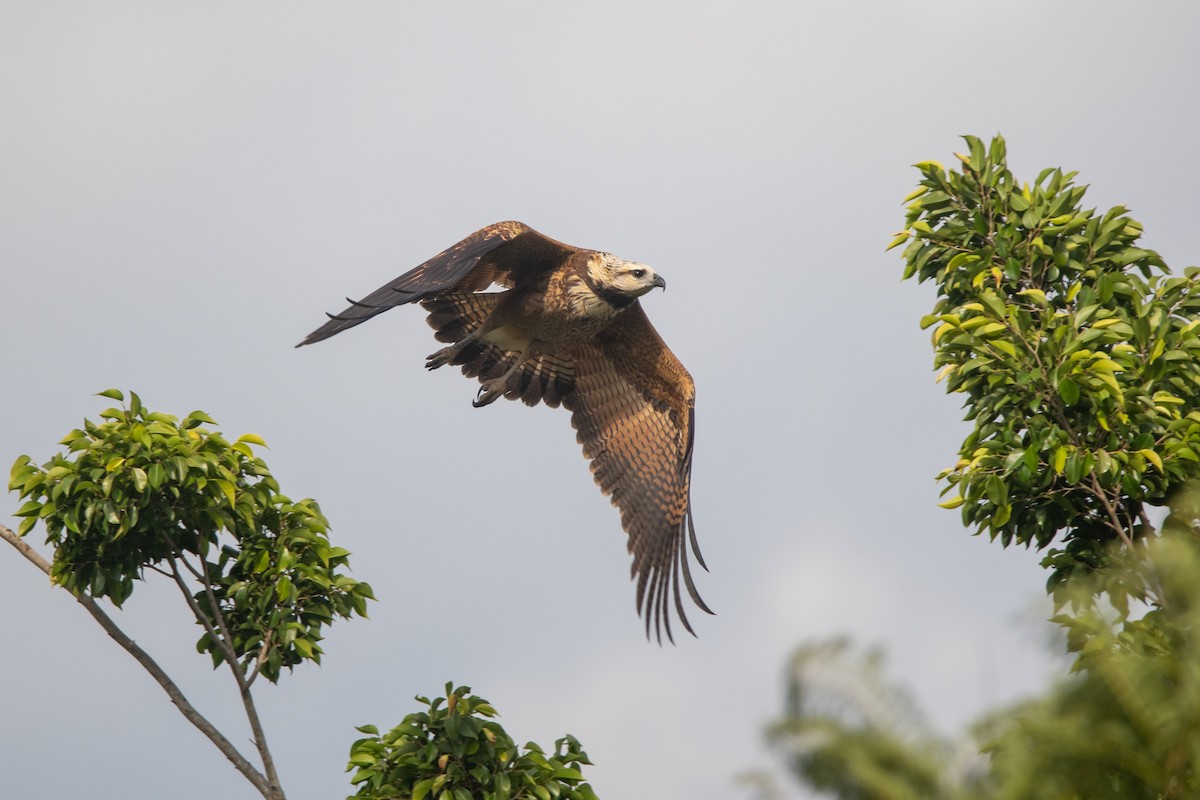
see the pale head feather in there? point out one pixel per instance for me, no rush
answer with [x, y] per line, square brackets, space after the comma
[627, 277]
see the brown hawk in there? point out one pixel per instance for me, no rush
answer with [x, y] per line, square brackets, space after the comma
[568, 329]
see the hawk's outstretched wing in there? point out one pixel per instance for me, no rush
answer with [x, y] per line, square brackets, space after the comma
[505, 253]
[633, 407]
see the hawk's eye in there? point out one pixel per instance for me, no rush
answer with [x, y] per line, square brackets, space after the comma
[638, 273]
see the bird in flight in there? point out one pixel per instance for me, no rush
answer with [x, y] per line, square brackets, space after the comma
[568, 330]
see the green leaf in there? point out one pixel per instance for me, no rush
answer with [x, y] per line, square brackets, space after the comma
[421, 788]
[978, 155]
[112, 394]
[200, 416]
[228, 490]
[1060, 460]
[252, 438]
[993, 303]
[304, 647]
[29, 508]
[1069, 391]
[1004, 346]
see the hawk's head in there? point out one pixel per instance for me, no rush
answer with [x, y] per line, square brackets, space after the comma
[619, 277]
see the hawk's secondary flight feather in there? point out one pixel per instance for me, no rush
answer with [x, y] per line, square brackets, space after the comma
[570, 330]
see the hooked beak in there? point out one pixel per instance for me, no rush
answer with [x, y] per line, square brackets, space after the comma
[659, 282]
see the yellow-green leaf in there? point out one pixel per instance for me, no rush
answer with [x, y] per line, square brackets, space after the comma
[252, 438]
[228, 489]
[1004, 346]
[1060, 460]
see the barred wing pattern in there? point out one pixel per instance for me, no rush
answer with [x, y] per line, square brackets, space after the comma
[633, 407]
[454, 316]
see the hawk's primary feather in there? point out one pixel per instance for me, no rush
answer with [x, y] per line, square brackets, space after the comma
[570, 330]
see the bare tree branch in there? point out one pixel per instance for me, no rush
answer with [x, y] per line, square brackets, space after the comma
[260, 736]
[224, 643]
[150, 665]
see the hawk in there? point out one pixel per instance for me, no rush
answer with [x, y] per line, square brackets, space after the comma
[568, 330]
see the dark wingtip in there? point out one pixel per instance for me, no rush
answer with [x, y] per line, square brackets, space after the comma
[692, 538]
[658, 587]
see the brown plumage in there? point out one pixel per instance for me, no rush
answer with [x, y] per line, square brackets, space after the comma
[569, 330]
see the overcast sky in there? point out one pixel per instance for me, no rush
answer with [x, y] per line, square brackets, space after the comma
[185, 187]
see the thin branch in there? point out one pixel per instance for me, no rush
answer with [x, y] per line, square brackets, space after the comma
[1114, 520]
[264, 650]
[260, 737]
[1150, 531]
[189, 712]
[218, 641]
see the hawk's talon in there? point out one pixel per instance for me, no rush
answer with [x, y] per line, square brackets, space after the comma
[488, 393]
[442, 357]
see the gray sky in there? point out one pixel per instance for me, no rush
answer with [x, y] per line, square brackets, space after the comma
[188, 186]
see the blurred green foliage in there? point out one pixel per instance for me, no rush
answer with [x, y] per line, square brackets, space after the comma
[848, 731]
[1127, 724]
[456, 750]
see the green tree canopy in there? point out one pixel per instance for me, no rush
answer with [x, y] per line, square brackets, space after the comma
[1076, 351]
[1074, 347]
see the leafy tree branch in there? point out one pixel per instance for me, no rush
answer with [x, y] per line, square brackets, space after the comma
[1074, 347]
[145, 492]
[176, 696]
